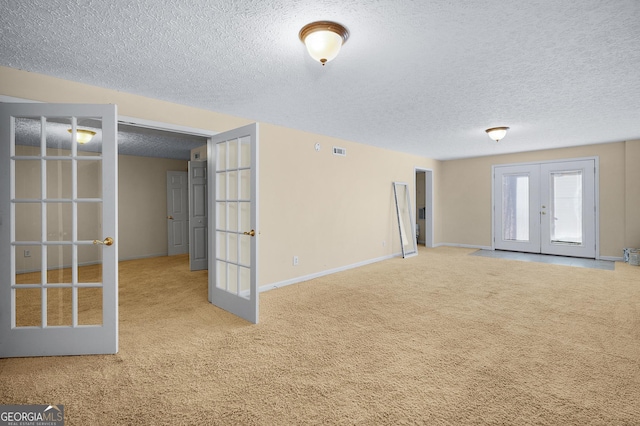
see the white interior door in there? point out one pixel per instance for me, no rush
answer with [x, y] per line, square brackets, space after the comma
[198, 215]
[546, 208]
[233, 265]
[58, 230]
[177, 213]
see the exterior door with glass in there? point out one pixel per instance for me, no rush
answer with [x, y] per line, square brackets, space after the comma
[233, 170]
[546, 208]
[58, 230]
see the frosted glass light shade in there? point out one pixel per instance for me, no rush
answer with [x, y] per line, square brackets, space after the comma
[323, 39]
[497, 133]
[83, 136]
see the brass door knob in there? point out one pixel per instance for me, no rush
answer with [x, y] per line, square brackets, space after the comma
[251, 233]
[170, 217]
[106, 242]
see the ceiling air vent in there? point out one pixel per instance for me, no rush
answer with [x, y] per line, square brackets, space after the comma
[339, 151]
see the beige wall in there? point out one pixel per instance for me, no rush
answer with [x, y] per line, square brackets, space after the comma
[142, 205]
[632, 194]
[466, 189]
[199, 152]
[328, 210]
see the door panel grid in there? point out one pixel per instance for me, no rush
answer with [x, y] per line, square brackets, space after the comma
[60, 300]
[233, 284]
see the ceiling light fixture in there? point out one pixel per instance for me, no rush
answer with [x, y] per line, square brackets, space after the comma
[83, 136]
[497, 133]
[323, 39]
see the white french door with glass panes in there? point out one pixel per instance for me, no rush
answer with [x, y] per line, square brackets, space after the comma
[233, 284]
[58, 230]
[546, 208]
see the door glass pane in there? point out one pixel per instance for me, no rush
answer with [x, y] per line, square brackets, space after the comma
[90, 179]
[221, 216]
[28, 221]
[89, 136]
[232, 178]
[515, 207]
[89, 221]
[221, 245]
[221, 182]
[566, 207]
[233, 154]
[59, 311]
[58, 138]
[28, 264]
[245, 216]
[245, 185]
[245, 250]
[232, 286]
[221, 156]
[28, 136]
[28, 307]
[232, 240]
[28, 179]
[245, 282]
[90, 257]
[90, 306]
[245, 151]
[59, 179]
[233, 217]
[59, 264]
[59, 221]
[221, 275]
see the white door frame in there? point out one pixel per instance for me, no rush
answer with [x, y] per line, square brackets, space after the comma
[596, 161]
[428, 196]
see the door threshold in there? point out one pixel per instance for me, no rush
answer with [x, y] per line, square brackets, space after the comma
[578, 262]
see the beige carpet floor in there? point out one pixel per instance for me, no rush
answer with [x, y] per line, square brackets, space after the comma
[442, 338]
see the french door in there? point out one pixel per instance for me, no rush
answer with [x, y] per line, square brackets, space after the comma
[58, 230]
[546, 208]
[233, 160]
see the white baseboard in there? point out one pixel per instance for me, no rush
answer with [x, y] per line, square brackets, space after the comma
[611, 258]
[296, 280]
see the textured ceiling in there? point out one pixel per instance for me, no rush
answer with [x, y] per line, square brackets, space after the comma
[132, 140]
[425, 77]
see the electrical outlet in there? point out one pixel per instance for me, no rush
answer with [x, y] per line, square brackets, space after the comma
[295, 260]
[384, 243]
[27, 253]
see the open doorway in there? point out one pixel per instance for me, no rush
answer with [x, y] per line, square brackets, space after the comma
[148, 153]
[424, 206]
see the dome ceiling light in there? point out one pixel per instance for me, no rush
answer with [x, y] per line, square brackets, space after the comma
[497, 133]
[323, 39]
[83, 136]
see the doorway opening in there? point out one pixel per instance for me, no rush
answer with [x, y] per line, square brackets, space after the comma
[424, 206]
